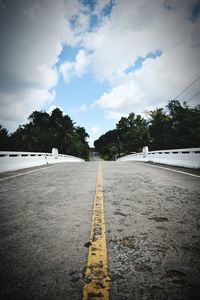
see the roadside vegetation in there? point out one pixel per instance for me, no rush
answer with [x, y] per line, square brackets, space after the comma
[176, 126]
[46, 131]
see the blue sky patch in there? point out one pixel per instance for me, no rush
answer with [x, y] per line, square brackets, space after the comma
[139, 61]
[108, 9]
[94, 22]
[90, 3]
[68, 54]
[195, 11]
[88, 90]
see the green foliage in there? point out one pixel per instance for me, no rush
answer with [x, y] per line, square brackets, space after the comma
[4, 139]
[160, 130]
[133, 133]
[185, 128]
[176, 127]
[108, 145]
[44, 132]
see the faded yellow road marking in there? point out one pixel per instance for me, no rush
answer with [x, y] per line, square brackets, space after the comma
[97, 280]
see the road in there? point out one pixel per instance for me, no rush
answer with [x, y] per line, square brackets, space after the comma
[94, 156]
[152, 218]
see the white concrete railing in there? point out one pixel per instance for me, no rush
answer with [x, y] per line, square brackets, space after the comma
[189, 157]
[13, 160]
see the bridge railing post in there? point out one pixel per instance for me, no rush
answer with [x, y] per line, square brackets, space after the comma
[145, 151]
[55, 153]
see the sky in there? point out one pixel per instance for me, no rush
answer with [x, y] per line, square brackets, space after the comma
[97, 60]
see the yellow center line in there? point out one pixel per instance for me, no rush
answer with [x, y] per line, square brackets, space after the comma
[97, 280]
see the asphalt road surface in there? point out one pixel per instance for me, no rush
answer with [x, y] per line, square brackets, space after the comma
[94, 156]
[152, 218]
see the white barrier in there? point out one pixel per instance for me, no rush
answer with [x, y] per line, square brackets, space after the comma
[189, 157]
[12, 160]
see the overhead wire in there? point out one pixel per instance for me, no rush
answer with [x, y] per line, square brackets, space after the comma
[193, 96]
[187, 87]
[184, 90]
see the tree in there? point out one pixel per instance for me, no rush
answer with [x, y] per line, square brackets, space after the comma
[176, 126]
[160, 129]
[108, 144]
[4, 139]
[44, 132]
[40, 119]
[185, 124]
[133, 133]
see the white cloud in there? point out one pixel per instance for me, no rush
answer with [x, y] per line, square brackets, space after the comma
[76, 68]
[66, 69]
[94, 132]
[80, 14]
[114, 115]
[31, 41]
[121, 96]
[14, 108]
[134, 29]
[35, 32]
[80, 109]
[95, 129]
[153, 85]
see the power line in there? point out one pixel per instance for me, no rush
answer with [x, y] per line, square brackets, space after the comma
[193, 96]
[187, 87]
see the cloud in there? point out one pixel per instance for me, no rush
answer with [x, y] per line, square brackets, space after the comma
[114, 115]
[121, 96]
[36, 31]
[95, 129]
[94, 133]
[153, 85]
[76, 68]
[136, 29]
[32, 37]
[80, 109]
[14, 108]
[115, 44]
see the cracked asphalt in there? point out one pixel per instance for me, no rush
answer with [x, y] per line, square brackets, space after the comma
[153, 232]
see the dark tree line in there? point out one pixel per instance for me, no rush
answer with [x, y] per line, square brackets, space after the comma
[46, 131]
[176, 126]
